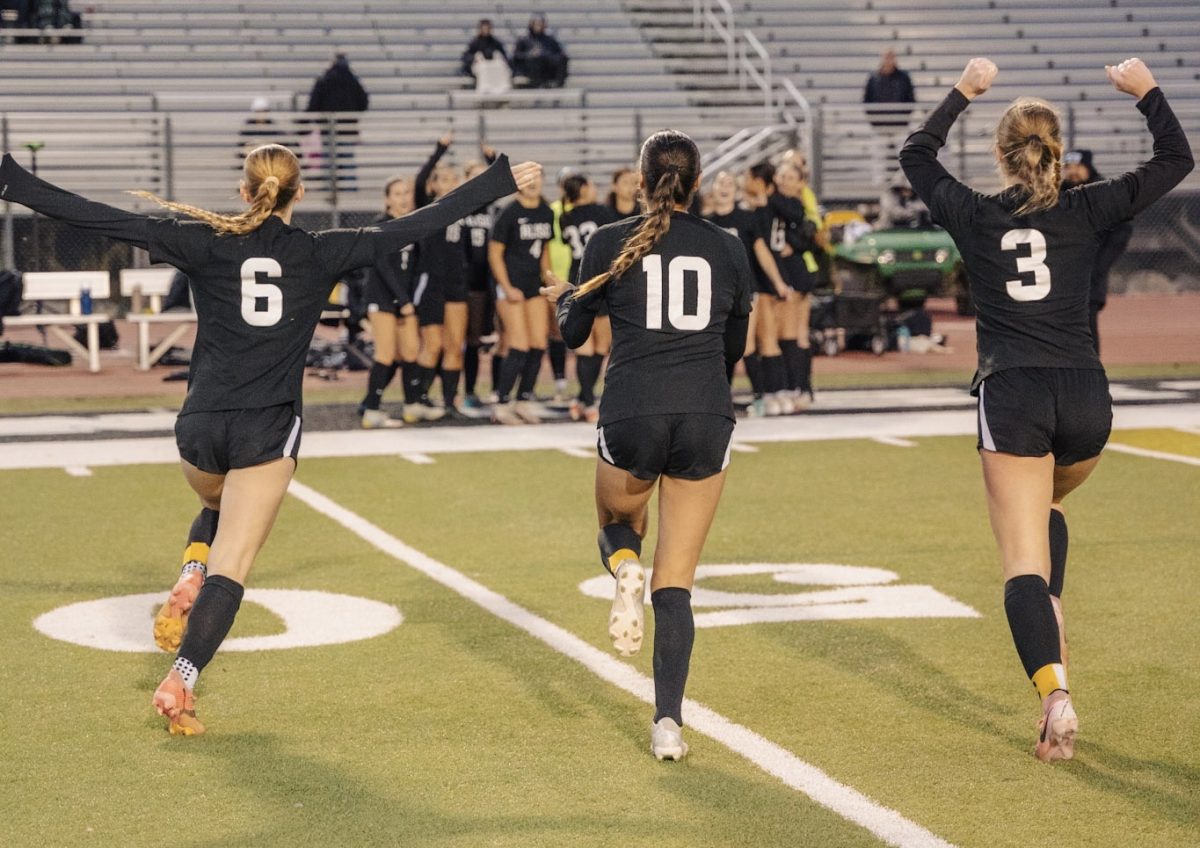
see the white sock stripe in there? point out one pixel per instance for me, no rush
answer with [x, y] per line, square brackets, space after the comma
[985, 432]
[291, 442]
[187, 670]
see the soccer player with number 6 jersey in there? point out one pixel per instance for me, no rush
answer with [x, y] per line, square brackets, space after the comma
[678, 292]
[259, 284]
[1044, 410]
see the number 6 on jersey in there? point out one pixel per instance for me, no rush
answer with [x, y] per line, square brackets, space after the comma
[254, 291]
[680, 265]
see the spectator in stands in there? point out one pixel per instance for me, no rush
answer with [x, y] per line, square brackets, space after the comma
[900, 207]
[483, 44]
[339, 90]
[889, 84]
[1078, 170]
[539, 56]
[258, 128]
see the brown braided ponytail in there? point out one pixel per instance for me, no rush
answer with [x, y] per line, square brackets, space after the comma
[670, 165]
[1029, 141]
[271, 177]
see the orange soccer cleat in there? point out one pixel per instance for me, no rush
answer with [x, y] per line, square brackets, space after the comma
[176, 702]
[171, 619]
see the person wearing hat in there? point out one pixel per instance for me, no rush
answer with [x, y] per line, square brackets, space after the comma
[258, 128]
[540, 57]
[1079, 170]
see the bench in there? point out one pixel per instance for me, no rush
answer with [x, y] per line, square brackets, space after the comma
[150, 286]
[68, 286]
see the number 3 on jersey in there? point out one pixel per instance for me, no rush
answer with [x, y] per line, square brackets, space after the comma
[676, 271]
[1034, 263]
[254, 292]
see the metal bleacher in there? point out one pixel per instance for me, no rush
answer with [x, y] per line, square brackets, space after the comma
[155, 96]
[821, 51]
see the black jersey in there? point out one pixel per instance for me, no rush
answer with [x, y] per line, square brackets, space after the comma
[747, 226]
[394, 273]
[1030, 275]
[258, 296]
[669, 318]
[442, 254]
[477, 227]
[578, 226]
[524, 233]
[784, 223]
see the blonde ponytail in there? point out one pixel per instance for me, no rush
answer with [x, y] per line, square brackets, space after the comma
[272, 177]
[1029, 141]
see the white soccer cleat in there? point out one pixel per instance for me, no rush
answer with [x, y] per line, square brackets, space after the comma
[530, 411]
[503, 413]
[1057, 729]
[377, 419]
[666, 740]
[627, 621]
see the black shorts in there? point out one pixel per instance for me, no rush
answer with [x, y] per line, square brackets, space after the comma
[479, 277]
[455, 289]
[379, 298]
[690, 445]
[217, 442]
[429, 299]
[1036, 411]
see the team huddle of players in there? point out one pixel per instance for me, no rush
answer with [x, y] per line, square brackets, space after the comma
[434, 307]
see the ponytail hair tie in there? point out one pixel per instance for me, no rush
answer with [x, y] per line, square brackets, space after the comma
[1033, 137]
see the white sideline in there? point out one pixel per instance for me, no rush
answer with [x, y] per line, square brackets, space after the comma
[888, 825]
[1153, 454]
[582, 437]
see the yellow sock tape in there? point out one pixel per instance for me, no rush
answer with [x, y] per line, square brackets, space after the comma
[1048, 678]
[195, 552]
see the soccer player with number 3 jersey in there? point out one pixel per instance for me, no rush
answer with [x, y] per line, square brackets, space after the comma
[1044, 410]
[259, 284]
[678, 291]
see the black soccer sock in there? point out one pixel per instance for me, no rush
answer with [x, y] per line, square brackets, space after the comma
[806, 360]
[208, 624]
[470, 368]
[754, 371]
[558, 358]
[674, 634]
[791, 363]
[411, 374]
[510, 372]
[772, 369]
[200, 539]
[530, 371]
[497, 370]
[618, 542]
[450, 377]
[1058, 552]
[427, 375]
[1035, 631]
[587, 371]
[377, 380]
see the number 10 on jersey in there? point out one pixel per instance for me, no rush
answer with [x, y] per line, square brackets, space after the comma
[676, 273]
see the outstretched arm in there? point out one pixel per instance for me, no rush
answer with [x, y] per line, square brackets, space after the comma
[344, 250]
[945, 196]
[1115, 200]
[20, 186]
[420, 192]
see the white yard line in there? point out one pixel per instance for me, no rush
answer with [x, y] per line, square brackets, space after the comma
[895, 442]
[1153, 454]
[417, 458]
[78, 470]
[888, 825]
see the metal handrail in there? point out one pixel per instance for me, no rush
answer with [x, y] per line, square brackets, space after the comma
[754, 140]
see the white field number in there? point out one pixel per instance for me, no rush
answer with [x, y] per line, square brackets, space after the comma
[1034, 263]
[676, 275]
[254, 290]
[853, 592]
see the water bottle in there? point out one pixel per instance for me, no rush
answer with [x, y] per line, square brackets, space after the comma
[85, 301]
[903, 336]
